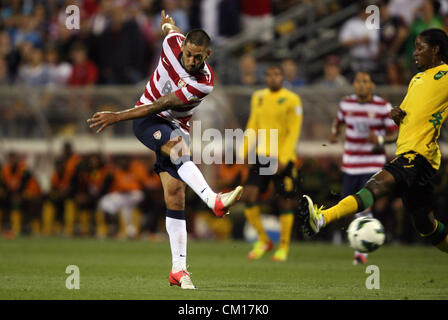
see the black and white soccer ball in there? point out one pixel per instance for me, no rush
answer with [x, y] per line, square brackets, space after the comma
[366, 234]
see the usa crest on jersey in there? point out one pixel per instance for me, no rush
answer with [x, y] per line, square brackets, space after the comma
[157, 135]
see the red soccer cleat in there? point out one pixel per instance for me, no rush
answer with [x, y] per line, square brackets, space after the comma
[224, 201]
[359, 258]
[181, 279]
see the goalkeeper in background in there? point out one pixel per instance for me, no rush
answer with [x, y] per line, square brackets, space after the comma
[279, 109]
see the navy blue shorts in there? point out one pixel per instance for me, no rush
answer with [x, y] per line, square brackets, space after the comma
[352, 183]
[154, 132]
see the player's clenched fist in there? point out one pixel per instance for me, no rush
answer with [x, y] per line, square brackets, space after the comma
[102, 119]
[397, 114]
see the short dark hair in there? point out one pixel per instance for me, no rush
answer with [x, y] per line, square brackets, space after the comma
[274, 66]
[359, 72]
[198, 37]
[437, 37]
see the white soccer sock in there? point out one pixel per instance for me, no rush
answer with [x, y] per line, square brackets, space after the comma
[177, 232]
[131, 230]
[191, 175]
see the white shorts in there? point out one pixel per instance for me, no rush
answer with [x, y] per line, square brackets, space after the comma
[114, 202]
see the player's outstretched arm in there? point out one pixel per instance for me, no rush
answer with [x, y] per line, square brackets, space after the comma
[106, 118]
[167, 24]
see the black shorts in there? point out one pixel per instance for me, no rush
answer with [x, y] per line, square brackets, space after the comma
[286, 184]
[413, 179]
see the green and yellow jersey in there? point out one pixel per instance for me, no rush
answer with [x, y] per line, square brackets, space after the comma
[426, 105]
[280, 110]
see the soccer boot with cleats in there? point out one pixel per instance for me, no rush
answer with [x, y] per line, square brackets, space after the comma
[224, 201]
[181, 279]
[311, 215]
[359, 258]
[280, 255]
[260, 248]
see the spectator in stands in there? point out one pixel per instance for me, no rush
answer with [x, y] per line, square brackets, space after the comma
[96, 178]
[34, 72]
[174, 10]
[123, 197]
[248, 71]
[445, 23]
[23, 195]
[53, 212]
[59, 72]
[68, 188]
[427, 18]
[394, 74]
[221, 19]
[362, 43]
[291, 74]
[11, 56]
[393, 35]
[27, 32]
[257, 17]
[406, 9]
[4, 80]
[63, 41]
[332, 73]
[393, 32]
[84, 71]
[152, 207]
[120, 50]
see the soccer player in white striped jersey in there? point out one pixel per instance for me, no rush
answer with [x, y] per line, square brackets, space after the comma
[161, 117]
[367, 128]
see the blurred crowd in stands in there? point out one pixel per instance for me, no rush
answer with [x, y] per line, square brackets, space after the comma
[121, 197]
[118, 43]
[118, 40]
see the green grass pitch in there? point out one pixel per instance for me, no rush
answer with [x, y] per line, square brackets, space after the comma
[34, 268]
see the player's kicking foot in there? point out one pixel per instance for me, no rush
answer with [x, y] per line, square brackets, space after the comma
[311, 214]
[181, 279]
[224, 201]
[359, 258]
[260, 248]
[280, 255]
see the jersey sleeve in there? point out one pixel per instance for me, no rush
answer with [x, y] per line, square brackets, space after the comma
[194, 92]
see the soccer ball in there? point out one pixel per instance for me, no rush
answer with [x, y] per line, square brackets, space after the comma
[365, 234]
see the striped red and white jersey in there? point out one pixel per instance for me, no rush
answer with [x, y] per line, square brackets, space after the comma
[170, 76]
[361, 156]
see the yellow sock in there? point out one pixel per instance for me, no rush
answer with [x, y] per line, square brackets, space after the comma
[101, 226]
[48, 213]
[35, 227]
[84, 221]
[286, 222]
[346, 207]
[69, 217]
[253, 216]
[16, 221]
[137, 220]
